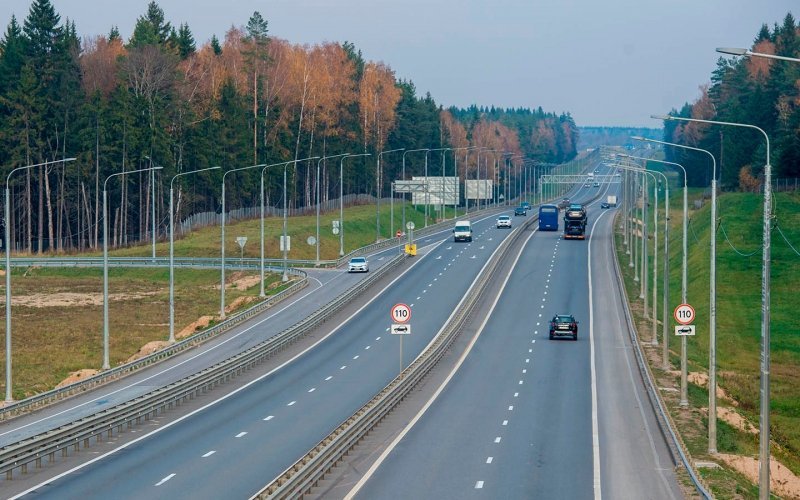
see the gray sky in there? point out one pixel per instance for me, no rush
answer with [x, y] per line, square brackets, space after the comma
[607, 62]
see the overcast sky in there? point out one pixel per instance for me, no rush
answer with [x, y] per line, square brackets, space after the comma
[607, 62]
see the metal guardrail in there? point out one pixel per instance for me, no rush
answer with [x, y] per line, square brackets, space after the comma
[664, 418]
[51, 396]
[35, 449]
[304, 474]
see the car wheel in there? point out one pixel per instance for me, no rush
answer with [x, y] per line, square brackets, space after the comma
[551, 336]
[575, 337]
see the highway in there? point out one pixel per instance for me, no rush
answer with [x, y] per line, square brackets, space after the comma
[528, 417]
[266, 423]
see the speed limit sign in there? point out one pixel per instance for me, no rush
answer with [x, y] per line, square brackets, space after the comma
[684, 314]
[401, 313]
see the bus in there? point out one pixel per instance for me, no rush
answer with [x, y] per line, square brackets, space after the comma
[548, 218]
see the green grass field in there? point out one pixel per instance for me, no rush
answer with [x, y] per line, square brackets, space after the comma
[739, 273]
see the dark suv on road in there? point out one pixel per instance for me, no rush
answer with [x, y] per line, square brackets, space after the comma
[563, 325]
[519, 211]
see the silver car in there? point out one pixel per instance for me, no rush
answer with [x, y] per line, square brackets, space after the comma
[358, 265]
[503, 221]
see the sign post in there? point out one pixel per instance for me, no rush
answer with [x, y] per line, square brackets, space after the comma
[400, 314]
[684, 314]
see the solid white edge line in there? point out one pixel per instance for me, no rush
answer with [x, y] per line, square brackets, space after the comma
[374, 467]
[598, 492]
[232, 393]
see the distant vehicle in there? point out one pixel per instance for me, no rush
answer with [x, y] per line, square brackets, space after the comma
[597, 170]
[519, 211]
[504, 221]
[462, 231]
[563, 203]
[611, 200]
[358, 265]
[526, 205]
[563, 325]
[605, 205]
[548, 218]
[597, 184]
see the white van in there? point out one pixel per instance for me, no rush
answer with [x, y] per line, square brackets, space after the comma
[462, 231]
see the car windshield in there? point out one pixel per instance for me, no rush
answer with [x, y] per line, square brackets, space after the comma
[462, 228]
[564, 319]
[358, 260]
[504, 217]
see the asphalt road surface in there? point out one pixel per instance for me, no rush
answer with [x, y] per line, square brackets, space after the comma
[529, 417]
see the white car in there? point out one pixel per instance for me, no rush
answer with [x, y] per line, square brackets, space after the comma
[358, 265]
[503, 221]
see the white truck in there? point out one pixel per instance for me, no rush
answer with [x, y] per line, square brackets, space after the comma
[611, 200]
[462, 231]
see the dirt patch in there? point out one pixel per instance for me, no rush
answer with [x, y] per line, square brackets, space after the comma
[71, 299]
[782, 481]
[736, 420]
[239, 302]
[201, 323]
[701, 379]
[77, 377]
[147, 349]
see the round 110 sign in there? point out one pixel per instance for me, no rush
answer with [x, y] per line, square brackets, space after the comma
[684, 314]
[401, 313]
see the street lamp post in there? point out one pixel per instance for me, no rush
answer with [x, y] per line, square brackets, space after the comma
[404, 178]
[341, 199]
[665, 311]
[285, 276]
[318, 198]
[712, 337]
[7, 244]
[172, 251]
[379, 189]
[222, 239]
[763, 473]
[427, 190]
[684, 376]
[106, 363]
[152, 205]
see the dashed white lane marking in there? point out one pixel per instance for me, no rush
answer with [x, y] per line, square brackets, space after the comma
[520, 382]
[425, 291]
[430, 285]
[312, 389]
[292, 403]
[243, 433]
[489, 460]
[497, 439]
[527, 360]
[530, 350]
[377, 338]
[268, 418]
[328, 377]
[505, 422]
[435, 279]
[388, 328]
[516, 394]
[542, 306]
[479, 485]
[440, 274]
[355, 357]
[511, 408]
[411, 305]
[524, 371]
[343, 367]
[367, 348]
[419, 298]
[543, 299]
[540, 315]
[209, 454]
[165, 480]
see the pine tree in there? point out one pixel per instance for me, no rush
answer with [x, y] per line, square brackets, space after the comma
[185, 41]
[215, 46]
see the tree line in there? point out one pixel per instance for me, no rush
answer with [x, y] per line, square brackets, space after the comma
[752, 90]
[160, 100]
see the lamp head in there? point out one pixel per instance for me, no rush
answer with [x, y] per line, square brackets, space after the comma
[639, 138]
[661, 117]
[732, 51]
